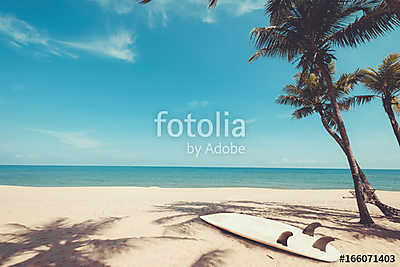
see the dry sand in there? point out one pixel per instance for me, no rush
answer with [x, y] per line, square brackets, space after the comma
[131, 226]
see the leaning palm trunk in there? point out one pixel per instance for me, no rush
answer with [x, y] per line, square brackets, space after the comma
[369, 192]
[308, 32]
[365, 217]
[388, 109]
[371, 197]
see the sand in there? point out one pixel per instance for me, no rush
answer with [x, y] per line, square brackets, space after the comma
[131, 226]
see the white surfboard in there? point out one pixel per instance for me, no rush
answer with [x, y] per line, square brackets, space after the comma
[277, 234]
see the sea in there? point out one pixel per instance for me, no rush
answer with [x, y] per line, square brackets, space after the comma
[192, 177]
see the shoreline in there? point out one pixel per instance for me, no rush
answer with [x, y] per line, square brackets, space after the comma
[116, 226]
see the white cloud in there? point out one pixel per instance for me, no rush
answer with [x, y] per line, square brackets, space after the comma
[23, 34]
[157, 9]
[118, 6]
[161, 10]
[116, 46]
[199, 7]
[197, 104]
[76, 139]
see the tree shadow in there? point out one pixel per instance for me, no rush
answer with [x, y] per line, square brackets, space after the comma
[296, 215]
[60, 243]
[212, 258]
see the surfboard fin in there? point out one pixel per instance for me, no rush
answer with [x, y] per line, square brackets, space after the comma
[283, 238]
[322, 242]
[309, 230]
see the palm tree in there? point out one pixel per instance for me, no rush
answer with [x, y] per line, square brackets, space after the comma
[384, 83]
[307, 32]
[309, 96]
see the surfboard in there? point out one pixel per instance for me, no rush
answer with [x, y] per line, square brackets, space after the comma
[277, 234]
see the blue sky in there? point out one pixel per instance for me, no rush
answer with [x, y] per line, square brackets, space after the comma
[82, 82]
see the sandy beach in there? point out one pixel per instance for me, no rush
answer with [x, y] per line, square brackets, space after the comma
[131, 226]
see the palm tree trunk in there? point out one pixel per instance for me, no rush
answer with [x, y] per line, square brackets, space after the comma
[373, 198]
[369, 190]
[388, 108]
[365, 217]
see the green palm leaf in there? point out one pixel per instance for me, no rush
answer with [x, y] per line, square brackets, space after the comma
[309, 94]
[384, 81]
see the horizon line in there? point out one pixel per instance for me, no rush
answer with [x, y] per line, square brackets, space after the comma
[190, 166]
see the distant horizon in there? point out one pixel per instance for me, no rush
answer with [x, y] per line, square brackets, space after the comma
[191, 166]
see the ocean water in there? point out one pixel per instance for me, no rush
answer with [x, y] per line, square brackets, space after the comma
[284, 178]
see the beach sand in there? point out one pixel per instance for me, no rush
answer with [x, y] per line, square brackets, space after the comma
[131, 226]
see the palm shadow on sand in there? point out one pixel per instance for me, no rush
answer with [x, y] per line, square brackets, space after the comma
[297, 215]
[211, 258]
[60, 243]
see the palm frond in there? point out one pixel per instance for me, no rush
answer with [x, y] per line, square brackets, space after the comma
[370, 26]
[291, 100]
[260, 53]
[361, 99]
[385, 79]
[291, 89]
[275, 41]
[345, 103]
[311, 91]
[278, 10]
[303, 112]
[396, 108]
[396, 104]
[391, 59]
[212, 3]
[347, 81]
[340, 11]
[330, 119]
